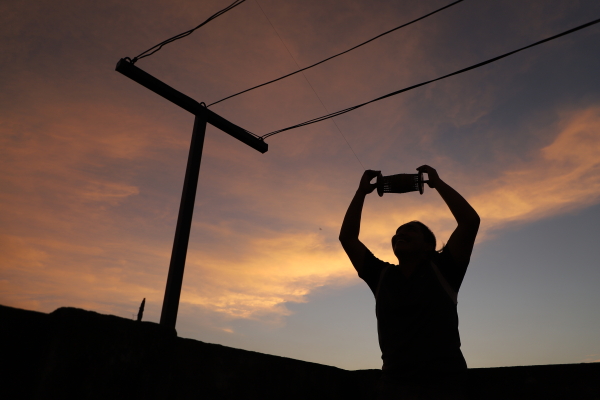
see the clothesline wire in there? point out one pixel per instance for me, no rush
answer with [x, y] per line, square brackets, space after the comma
[159, 46]
[309, 84]
[338, 54]
[491, 60]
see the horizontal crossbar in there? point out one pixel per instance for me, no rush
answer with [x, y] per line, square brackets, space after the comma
[187, 103]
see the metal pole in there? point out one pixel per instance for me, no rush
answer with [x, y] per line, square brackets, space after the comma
[203, 115]
[168, 316]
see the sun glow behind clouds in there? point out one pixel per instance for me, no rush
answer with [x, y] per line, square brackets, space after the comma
[275, 270]
[282, 267]
[266, 269]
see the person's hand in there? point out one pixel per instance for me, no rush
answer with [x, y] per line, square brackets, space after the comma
[365, 185]
[433, 177]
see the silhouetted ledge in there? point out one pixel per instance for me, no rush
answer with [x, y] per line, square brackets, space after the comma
[77, 354]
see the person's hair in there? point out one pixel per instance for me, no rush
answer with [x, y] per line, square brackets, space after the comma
[428, 235]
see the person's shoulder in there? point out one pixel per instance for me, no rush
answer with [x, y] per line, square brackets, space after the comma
[448, 267]
[372, 268]
[443, 258]
[372, 260]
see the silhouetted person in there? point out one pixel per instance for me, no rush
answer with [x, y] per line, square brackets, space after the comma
[417, 321]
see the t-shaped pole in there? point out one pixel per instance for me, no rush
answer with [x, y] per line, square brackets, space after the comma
[203, 115]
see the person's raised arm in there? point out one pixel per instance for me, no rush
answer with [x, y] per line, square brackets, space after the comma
[462, 239]
[351, 226]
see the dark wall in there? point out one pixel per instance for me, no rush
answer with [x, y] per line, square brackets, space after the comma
[78, 354]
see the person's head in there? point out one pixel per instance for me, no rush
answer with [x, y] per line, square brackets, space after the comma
[413, 239]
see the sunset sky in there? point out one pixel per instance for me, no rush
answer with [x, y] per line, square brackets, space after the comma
[92, 167]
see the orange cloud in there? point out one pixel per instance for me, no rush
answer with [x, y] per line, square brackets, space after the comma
[107, 191]
[274, 270]
[563, 176]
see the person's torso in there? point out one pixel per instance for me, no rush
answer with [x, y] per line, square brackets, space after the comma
[416, 319]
